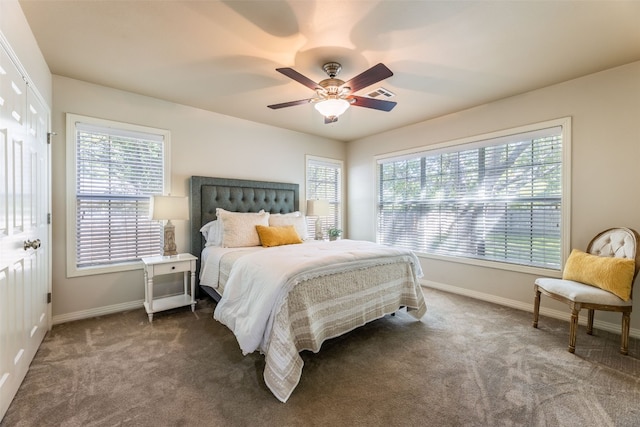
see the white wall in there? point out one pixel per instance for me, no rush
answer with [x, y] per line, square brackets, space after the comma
[605, 111]
[202, 143]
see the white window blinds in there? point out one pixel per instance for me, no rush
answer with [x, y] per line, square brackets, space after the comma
[498, 200]
[324, 182]
[116, 172]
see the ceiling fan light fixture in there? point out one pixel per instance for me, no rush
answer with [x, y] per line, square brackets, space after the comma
[332, 107]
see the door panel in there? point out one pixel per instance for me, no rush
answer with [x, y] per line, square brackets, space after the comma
[5, 334]
[36, 191]
[4, 184]
[24, 204]
[16, 203]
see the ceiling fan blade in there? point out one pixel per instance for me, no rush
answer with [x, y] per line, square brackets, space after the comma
[376, 104]
[331, 119]
[289, 104]
[293, 74]
[369, 77]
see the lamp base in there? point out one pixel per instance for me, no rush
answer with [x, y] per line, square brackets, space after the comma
[169, 248]
[319, 229]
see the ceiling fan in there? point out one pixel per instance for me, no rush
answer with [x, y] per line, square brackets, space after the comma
[334, 96]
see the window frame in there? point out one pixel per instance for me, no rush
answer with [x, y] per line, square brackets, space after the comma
[468, 142]
[341, 200]
[71, 244]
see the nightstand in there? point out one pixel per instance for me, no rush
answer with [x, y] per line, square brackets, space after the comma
[159, 265]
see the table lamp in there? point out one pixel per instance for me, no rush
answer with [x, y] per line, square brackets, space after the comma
[318, 208]
[167, 208]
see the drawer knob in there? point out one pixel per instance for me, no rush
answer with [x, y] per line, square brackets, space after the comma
[173, 267]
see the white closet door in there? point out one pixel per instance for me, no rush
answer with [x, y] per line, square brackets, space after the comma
[24, 193]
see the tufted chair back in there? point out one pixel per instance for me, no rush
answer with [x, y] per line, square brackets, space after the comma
[618, 243]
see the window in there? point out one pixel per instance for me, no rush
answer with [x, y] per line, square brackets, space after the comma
[112, 169]
[498, 198]
[324, 182]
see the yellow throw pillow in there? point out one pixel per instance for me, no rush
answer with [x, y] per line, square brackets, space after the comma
[277, 236]
[611, 274]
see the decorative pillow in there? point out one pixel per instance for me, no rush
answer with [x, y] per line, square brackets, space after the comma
[212, 232]
[611, 274]
[278, 236]
[239, 229]
[298, 221]
[296, 213]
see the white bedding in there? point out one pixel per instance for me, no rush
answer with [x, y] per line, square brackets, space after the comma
[260, 281]
[210, 266]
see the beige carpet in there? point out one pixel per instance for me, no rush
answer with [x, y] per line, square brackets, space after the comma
[467, 363]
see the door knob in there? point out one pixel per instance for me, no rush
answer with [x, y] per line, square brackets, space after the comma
[35, 244]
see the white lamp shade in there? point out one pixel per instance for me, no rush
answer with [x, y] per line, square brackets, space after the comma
[168, 208]
[317, 207]
[332, 107]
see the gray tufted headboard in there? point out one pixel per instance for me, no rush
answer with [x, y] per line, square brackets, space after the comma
[236, 195]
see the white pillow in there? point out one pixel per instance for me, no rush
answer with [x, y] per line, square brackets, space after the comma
[239, 228]
[212, 232]
[296, 213]
[299, 223]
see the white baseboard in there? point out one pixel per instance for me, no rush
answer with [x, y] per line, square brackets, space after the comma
[100, 311]
[556, 314]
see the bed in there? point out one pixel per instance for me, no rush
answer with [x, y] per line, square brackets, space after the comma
[287, 298]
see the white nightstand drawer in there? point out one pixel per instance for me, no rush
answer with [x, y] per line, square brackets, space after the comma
[171, 267]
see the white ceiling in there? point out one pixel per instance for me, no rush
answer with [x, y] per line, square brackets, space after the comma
[221, 55]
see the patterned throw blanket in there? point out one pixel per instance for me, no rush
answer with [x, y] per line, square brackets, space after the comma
[291, 298]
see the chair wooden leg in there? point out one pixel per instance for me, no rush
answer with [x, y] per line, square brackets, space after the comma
[573, 328]
[626, 319]
[536, 307]
[590, 322]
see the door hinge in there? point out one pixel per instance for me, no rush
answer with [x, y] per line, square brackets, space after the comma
[49, 218]
[49, 298]
[50, 136]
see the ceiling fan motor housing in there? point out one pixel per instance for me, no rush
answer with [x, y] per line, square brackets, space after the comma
[331, 86]
[332, 68]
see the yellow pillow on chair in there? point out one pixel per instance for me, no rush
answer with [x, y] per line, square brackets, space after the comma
[277, 236]
[611, 274]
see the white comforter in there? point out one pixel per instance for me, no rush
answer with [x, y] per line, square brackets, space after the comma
[260, 281]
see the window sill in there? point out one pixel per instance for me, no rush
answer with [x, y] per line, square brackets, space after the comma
[540, 271]
[73, 271]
